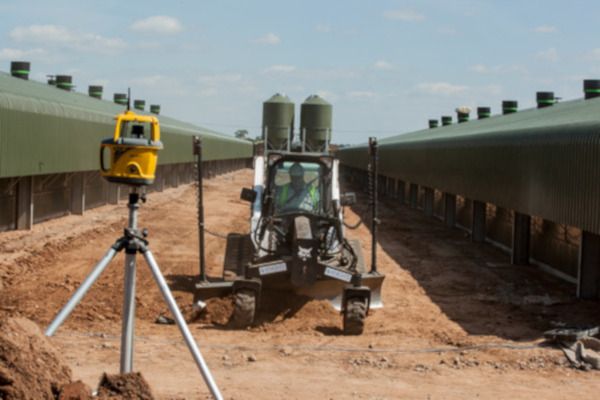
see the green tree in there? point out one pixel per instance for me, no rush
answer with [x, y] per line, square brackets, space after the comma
[241, 133]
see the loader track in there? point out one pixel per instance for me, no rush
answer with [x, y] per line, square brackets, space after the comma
[354, 316]
[245, 308]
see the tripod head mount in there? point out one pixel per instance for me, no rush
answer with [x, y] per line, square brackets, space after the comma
[134, 196]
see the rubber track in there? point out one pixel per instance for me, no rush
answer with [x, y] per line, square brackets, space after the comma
[354, 317]
[245, 306]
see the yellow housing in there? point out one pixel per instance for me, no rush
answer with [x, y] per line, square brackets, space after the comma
[132, 159]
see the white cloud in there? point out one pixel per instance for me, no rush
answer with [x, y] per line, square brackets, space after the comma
[593, 55]
[440, 88]
[61, 36]
[324, 28]
[494, 90]
[549, 55]
[447, 31]
[498, 69]
[480, 68]
[269, 39]
[404, 15]
[383, 65]
[43, 34]
[158, 25]
[163, 85]
[16, 54]
[545, 29]
[208, 92]
[328, 96]
[279, 68]
[590, 56]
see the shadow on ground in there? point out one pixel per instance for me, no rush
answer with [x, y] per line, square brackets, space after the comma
[474, 284]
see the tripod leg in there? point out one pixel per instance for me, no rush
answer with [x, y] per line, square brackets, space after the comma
[183, 328]
[80, 292]
[127, 327]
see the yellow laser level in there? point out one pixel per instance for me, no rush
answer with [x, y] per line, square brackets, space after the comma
[133, 156]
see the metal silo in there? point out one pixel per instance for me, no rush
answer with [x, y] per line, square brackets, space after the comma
[278, 122]
[315, 123]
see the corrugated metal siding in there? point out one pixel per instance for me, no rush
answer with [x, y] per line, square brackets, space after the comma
[33, 144]
[543, 163]
[51, 193]
[45, 130]
[177, 142]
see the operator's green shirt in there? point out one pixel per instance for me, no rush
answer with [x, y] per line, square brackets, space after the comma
[305, 199]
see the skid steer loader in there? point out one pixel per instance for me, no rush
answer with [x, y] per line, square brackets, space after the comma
[297, 238]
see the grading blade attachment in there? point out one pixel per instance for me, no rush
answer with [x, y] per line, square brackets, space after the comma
[332, 290]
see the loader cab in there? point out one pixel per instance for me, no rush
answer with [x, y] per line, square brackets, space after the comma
[299, 185]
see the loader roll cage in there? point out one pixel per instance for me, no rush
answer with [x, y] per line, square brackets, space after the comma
[299, 185]
[283, 201]
[289, 191]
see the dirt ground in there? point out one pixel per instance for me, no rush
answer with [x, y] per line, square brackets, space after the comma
[458, 320]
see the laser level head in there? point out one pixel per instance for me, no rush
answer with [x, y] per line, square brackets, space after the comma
[130, 157]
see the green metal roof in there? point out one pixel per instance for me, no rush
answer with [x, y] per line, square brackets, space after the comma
[562, 114]
[45, 130]
[541, 162]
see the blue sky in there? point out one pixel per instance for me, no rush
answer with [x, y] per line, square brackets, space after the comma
[386, 66]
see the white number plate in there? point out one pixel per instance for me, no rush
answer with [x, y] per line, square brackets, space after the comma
[272, 269]
[334, 273]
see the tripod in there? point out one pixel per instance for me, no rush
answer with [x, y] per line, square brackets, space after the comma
[134, 242]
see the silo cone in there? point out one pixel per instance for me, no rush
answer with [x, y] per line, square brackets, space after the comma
[315, 124]
[278, 122]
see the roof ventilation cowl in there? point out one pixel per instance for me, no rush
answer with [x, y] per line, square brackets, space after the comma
[95, 91]
[545, 99]
[591, 88]
[510, 106]
[462, 114]
[446, 120]
[155, 108]
[20, 69]
[120, 98]
[483, 112]
[64, 82]
[433, 123]
[139, 104]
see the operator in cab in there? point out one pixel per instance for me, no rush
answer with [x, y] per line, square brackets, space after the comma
[297, 195]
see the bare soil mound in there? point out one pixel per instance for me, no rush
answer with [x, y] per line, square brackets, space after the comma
[217, 311]
[130, 385]
[30, 367]
[75, 391]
